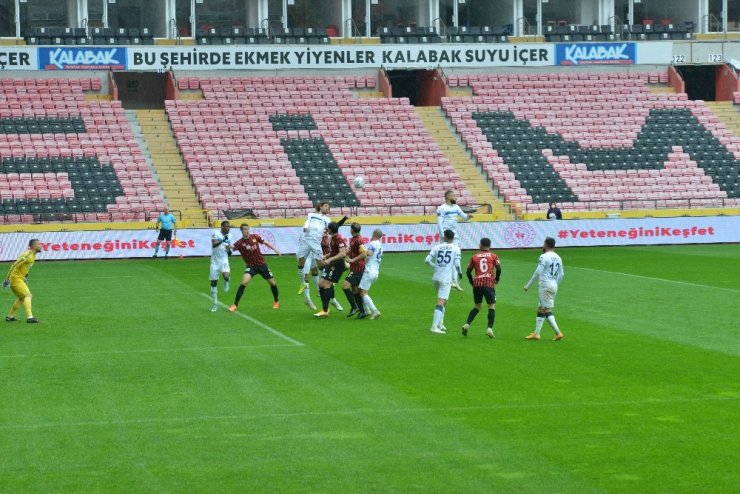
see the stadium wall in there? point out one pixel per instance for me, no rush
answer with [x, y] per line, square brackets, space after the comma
[121, 244]
[727, 83]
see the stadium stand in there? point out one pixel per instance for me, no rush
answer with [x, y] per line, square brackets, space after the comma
[596, 141]
[68, 159]
[96, 36]
[238, 149]
[453, 34]
[262, 36]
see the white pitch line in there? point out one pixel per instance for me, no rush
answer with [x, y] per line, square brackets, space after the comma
[358, 411]
[148, 350]
[698, 285]
[260, 324]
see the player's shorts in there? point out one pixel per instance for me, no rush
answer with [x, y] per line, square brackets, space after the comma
[262, 270]
[164, 235]
[484, 292]
[20, 288]
[547, 294]
[354, 278]
[333, 272]
[308, 248]
[368, 278]
[219, 267]
[443, 289]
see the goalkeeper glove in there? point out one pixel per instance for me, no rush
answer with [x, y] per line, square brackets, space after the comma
[6, 283]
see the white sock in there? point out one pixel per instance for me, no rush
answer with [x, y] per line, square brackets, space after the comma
[226, 285]
[306, 291]
[316, 281]
[302, 274]
[538, 324]
[369, 305]
[214, 294]
[553, 324]
[438, 313]
[442, 322]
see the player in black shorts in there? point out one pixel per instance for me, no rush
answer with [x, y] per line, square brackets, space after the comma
[333, 264]
[356, 269]
[484, 272]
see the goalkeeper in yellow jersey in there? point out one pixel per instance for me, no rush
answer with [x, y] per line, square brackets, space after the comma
[17, 280]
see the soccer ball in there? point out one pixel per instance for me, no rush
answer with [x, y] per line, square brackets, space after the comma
[359, 182]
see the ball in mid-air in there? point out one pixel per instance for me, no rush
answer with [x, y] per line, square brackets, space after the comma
[359, 182]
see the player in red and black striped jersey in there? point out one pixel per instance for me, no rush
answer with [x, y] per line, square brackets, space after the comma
[249, 248]
[481, 275]
[333, 265]
[356, 269]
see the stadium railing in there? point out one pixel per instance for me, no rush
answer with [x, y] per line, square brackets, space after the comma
[642, 204]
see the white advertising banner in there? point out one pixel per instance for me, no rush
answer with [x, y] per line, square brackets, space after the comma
[398, 238]
[18, 58]
[271, 57]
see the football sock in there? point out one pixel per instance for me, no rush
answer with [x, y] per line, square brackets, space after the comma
[226, 285]
[316, 281]
[442, 322]
[350, 298]
[538, 324]
[156, 248]
[552, 323]
[360, 302]
[491, 317]
[274, 289]
[438, 313]
[324, 293]
[369, 304]
[214, 294]
[471, 316]
[239, 293]
[17, 305]
[167, 249]
[27, 306]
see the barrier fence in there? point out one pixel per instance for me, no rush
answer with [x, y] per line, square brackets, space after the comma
[111, 244]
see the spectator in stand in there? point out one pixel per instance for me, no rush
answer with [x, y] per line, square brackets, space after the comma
[554, 212]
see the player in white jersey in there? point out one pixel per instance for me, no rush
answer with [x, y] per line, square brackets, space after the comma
[309, 249]
[447, 215]
[220, 250]
[445, 259]
[550, 273]
[373, 255]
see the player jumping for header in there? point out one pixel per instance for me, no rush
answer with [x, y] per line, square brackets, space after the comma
[249, 248]
[447, 215]
[550, 273]
[481, 276]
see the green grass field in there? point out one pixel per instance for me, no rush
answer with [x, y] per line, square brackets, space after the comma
[130, 384]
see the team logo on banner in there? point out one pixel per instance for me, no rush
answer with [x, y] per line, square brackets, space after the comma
[519, 235]
[595, 54]
[65, 58]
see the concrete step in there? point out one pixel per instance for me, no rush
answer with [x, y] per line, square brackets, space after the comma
[165, 156]
[442, 133]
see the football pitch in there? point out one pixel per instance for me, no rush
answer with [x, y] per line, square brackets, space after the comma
[131, 384]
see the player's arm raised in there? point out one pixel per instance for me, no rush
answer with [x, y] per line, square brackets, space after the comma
[272, 247]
